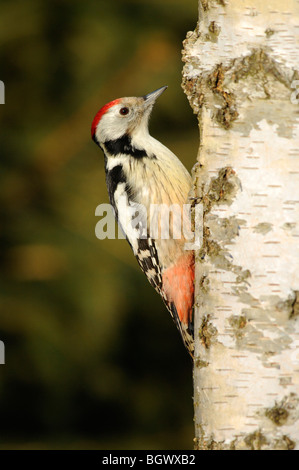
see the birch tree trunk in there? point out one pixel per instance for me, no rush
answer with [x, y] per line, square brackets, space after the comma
[241, 78]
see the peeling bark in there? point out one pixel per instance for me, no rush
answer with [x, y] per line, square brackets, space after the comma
[241, 78]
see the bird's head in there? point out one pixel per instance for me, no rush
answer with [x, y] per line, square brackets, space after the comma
[124, 116]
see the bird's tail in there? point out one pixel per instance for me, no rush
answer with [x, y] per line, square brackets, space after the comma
[186, 329]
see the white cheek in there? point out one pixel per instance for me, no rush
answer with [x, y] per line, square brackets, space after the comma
[112, 126]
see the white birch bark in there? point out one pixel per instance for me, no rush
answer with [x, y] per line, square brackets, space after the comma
[240, 76]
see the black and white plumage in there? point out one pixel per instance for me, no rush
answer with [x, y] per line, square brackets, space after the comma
[141, 173]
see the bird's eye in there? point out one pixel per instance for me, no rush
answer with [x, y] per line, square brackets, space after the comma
[124, 111]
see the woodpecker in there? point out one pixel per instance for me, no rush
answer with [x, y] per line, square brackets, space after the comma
[142, 172]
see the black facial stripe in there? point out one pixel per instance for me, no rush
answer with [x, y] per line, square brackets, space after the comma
[123, 145]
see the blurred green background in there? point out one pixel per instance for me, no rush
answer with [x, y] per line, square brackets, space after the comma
[93, 359]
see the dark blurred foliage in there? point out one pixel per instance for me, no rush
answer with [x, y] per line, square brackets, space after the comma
[93, 359]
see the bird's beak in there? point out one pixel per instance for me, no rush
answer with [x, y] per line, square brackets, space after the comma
[150, 98]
